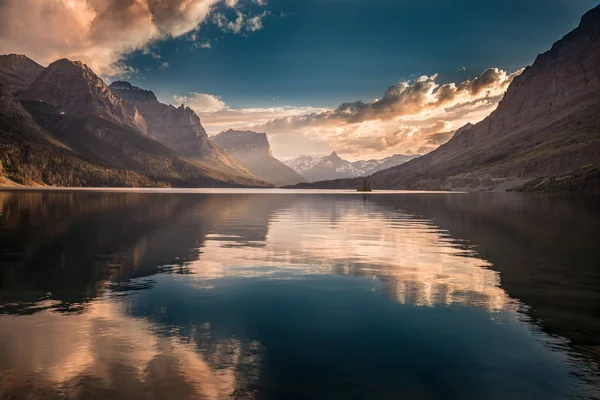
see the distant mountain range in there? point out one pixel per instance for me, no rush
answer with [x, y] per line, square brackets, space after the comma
[335, 167]
[544, 135]
[253, 150]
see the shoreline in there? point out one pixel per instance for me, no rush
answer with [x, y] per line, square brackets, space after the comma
[215, 190]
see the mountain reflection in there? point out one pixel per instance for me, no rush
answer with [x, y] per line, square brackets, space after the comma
[74, 267]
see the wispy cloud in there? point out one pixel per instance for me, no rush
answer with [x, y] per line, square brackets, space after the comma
[242, 23]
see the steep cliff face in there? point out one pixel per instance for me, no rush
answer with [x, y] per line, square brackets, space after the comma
[253, 150]
[244, 143]
[17, 72]
[75, 90]
[545, 133]
[178, 128]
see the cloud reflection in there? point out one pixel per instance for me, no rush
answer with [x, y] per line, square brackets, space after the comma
[417, 262]
[104, 352]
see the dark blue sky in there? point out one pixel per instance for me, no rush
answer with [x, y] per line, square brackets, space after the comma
[324, 52]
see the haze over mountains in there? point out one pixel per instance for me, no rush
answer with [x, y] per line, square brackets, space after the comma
[254, 151]
[544, 135]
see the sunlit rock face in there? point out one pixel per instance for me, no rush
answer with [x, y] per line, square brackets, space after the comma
[254, 151]
[75, 90]
[178, 128]
[17, 71]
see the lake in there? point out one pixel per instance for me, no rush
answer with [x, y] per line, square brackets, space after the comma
[298, 295]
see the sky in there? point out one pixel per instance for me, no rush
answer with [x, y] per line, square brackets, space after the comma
[366, 78]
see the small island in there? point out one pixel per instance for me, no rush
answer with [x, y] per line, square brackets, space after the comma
[366, 186]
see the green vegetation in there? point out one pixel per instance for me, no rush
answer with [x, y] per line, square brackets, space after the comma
[585, 180]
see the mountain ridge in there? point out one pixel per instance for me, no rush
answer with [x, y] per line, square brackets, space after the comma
[17, 71]
[76, 90]
[333, 166]
[253, 150]
[178, 128]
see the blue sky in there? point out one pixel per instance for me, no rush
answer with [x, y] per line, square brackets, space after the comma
[324, 52]
[366, 78]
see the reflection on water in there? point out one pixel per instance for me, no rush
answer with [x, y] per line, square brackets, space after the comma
[249, 295]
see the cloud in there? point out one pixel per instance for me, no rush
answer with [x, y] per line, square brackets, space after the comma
[98, 32]
[255, 23]
[411, 117]
[202, 45]
[226, 117]
[242, 23]
[201, 102]
[164, 65]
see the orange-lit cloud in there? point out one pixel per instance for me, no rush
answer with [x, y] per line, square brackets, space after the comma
[98, 32]
[411, 117]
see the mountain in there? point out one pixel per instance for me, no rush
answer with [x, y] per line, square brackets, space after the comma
[75, 90]
[178, 128]
[17, 72]
[71, 108]
[29, 155]
[254, 151]
[334, 167]
[372, 166]
[544, 134]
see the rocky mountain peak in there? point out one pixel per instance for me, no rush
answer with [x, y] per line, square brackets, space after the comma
[333, 156]
[17, 71]
[132, 94]
[247, 142]
[123, 85]
[73, 88]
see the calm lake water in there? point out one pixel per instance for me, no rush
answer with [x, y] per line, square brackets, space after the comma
[250, 295]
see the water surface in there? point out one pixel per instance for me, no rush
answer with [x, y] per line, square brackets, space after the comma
[275, 295]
